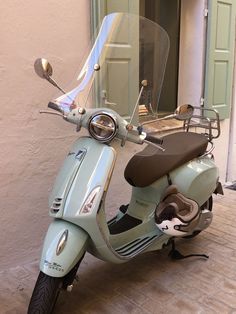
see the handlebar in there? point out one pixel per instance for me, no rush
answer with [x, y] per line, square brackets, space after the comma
[135, 135]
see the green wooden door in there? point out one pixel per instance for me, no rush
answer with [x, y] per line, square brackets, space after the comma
[220, 56]
[121, 64]
[100, 8]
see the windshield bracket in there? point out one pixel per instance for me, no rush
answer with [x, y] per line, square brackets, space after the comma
[144, 84]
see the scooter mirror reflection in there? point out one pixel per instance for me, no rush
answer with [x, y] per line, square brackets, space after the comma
[43, 68]
[184, 112]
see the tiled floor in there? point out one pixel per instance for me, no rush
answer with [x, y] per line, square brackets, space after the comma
[151, 283]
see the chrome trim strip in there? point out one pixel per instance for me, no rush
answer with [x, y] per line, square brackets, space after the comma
[62, 242]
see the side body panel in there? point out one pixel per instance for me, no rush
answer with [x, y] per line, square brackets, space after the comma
[196, 179]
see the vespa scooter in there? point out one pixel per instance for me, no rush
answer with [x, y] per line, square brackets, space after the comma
[172, 178]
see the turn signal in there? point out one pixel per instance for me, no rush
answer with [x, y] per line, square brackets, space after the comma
[88, 204]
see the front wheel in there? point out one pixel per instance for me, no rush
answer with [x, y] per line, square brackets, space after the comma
[45, 294]
[47, 290]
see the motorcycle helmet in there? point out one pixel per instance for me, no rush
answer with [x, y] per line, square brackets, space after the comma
[177, 215]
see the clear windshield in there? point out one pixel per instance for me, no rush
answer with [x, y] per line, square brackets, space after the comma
[128, 52]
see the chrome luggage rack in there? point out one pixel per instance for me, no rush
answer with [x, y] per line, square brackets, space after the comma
[207, 119]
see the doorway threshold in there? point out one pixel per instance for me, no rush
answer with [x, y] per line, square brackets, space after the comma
[163, 126]
[231, 186]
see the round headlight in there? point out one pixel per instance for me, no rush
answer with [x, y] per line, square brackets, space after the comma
[102, 127]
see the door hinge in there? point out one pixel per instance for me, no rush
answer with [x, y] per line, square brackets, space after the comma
[206, 11]
[202, 101]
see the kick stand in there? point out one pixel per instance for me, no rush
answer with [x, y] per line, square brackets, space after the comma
[176, 255]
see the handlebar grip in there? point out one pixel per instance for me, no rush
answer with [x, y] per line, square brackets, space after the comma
[154, 139]
[53, 106]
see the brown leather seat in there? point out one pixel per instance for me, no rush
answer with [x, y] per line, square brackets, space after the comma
[147, 166]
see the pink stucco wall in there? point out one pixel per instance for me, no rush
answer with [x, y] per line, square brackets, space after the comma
[33, 145]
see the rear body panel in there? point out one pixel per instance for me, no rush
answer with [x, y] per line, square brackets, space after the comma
[196, 180]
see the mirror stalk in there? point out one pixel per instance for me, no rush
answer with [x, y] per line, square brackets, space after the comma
[54, 83]
[44, 70]
[182, 113]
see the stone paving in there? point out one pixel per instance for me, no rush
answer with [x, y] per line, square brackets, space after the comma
[151, 283]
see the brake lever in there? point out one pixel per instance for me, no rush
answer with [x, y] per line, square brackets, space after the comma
[51, 112]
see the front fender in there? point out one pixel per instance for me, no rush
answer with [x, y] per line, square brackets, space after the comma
[57, 263]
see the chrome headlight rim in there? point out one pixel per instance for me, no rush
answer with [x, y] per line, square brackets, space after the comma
[113, 129]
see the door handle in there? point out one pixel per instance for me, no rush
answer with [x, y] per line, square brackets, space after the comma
[106, 101]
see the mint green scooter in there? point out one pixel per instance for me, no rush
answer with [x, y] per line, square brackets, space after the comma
[172, 178]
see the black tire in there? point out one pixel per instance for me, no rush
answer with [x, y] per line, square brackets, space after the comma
[207, 205]
[45, 294]
[47, 290]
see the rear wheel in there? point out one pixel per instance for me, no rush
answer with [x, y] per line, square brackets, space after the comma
[206, 206]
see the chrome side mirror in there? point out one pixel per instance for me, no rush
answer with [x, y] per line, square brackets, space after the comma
[43, 68]
[184, 112]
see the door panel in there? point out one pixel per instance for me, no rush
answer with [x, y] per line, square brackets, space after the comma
[116, 6]
[122, 63]
[220, 56]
